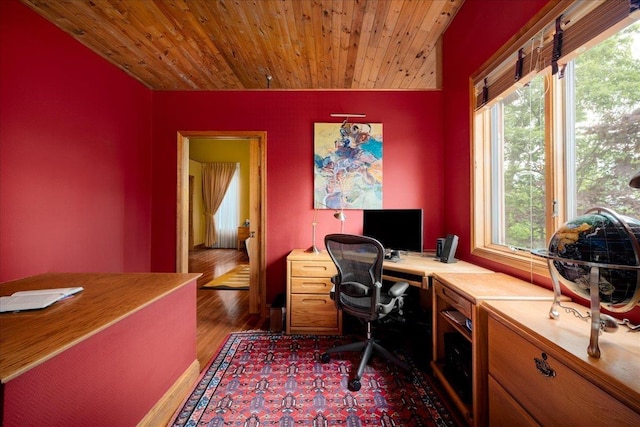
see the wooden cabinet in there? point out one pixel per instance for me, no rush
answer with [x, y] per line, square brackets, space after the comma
[243, 234]
[310, 308]
[511, 413]
[86, 360]
[460, 333]
[542, 366]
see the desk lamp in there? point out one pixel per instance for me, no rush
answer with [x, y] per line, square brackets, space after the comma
[340, 216]
[314, 249]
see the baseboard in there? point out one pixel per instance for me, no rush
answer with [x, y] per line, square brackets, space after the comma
[164, 409]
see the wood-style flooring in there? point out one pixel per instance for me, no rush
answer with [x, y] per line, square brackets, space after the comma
[219, 311]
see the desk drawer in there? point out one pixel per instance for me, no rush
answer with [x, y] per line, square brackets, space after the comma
[311, 285]
[313, 269]
[313, 311]
[455, 299]
[512, 362]
[504, 410]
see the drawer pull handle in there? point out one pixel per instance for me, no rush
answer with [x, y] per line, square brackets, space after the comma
[314, 268]
[543, 367]
[314, 284]
[314, 301]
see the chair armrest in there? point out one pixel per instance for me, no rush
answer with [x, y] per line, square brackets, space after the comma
[354, 289]
[398, 289]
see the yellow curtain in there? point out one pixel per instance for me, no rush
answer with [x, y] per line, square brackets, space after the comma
[215, 181]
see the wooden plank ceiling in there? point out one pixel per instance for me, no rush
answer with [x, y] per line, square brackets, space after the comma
[236, 44]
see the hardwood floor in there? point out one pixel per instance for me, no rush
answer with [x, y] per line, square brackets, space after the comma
[219, 311]
[213, 263]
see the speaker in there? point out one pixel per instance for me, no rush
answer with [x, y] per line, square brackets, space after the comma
[449, 249]
[439, 246]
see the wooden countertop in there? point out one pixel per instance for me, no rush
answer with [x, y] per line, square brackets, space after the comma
[411, 263]
[494, 286]
[29, 338]
[617, 369]
[303, 255]
[427, 265]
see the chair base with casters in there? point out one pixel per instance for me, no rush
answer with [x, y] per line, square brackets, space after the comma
[367, 347]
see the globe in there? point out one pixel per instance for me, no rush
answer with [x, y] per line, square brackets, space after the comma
[603, 239]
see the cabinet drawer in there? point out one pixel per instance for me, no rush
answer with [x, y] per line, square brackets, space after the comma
[455, 299]
[313, 269]
[512, 362]
[504, 411]
[313, 311]
[311, 285]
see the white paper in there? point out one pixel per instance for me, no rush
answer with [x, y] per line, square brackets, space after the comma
[37, 299]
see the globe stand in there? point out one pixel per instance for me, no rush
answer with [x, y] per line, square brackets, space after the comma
[599, 322]
[593, 349]
[596, 256]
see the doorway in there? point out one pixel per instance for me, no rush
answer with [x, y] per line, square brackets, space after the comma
[257, 208]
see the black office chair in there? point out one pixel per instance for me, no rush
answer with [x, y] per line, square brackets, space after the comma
[358, 291]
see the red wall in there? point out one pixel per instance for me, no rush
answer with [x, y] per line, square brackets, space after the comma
[75, 155]
[78, 138]
[412, 165]
[463, 54]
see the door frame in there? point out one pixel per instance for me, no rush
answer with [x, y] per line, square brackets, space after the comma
[257, 208]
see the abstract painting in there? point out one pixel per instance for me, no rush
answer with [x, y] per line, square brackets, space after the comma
[347, 165]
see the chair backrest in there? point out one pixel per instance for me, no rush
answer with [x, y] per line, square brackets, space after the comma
[359, 262]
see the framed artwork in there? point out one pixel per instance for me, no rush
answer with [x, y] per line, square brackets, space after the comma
[347, 165]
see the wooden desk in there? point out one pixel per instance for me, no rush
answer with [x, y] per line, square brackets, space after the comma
[418, 269]
[311, 310]
[460, 354]
[105, 356]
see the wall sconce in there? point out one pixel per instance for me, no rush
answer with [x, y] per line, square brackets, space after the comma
[348, 115]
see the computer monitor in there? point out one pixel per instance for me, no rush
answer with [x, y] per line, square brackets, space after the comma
[396, 229]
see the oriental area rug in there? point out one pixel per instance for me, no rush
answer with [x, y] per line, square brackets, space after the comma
[236, 279]
[271, 379]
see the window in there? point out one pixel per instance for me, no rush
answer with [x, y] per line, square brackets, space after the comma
[517, 167]
[606, 124]
[226, 217]
[556, 132]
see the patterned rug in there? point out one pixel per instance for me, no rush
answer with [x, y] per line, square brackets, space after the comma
[269, 379]
[236, 279]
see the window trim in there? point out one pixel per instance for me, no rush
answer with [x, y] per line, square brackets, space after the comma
[582, 24]
[481, 204]
[481, 190]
